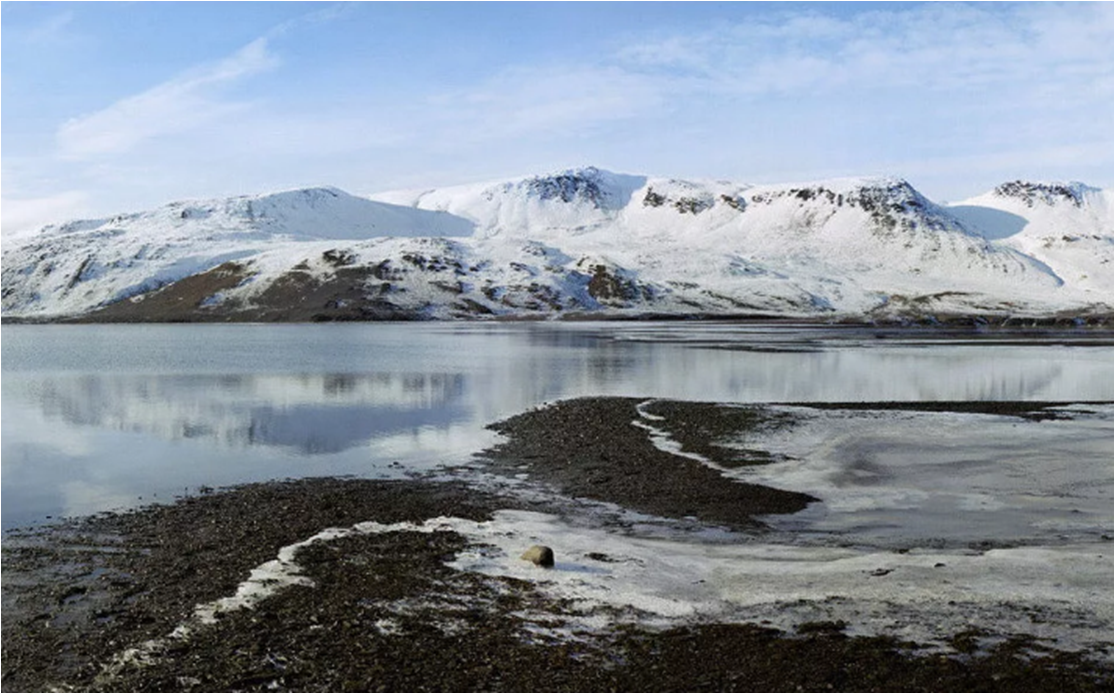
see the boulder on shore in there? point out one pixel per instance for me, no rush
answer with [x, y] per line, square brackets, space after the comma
[539, 555]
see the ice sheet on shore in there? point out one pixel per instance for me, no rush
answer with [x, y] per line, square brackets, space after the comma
[932, 523]
[897, 479]
[923, 595]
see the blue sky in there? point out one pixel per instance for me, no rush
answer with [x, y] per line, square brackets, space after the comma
[115, 107]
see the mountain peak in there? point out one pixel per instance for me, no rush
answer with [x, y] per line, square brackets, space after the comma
[308, 193]
[869, 193]
[1049, 194]
[603, 190]
[569, 185]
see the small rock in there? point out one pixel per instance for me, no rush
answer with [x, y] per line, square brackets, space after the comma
[540, 555]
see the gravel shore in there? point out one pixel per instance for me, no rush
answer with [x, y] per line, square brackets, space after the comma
[590, 448]
[109, 602]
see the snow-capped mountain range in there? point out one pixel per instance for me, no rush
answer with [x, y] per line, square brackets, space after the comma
[577, 243]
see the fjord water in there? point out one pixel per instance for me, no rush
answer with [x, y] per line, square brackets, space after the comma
[105, 417]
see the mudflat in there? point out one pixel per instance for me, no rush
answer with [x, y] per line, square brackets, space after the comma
[132, 601]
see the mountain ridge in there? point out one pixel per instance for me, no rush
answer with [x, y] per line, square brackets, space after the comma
[578, 242]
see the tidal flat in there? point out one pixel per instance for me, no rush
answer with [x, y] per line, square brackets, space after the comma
[700, 546]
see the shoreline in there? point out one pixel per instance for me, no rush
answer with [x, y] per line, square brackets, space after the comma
[162, 598]
[385, 612]
[1072, 321]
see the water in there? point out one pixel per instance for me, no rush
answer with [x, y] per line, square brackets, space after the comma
[930, 524]
[897, 480]
[106, 417]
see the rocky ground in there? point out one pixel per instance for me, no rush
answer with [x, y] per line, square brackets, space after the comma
[97, 603]
[589, 448]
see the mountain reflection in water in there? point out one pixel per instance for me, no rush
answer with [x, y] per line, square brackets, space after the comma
[309, 413]
[96, 417]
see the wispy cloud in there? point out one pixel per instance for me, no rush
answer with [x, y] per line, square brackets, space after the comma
[920, 89]
[51, 30]
[327, 12]
[25, 214]
[178, 105]
[30, 198]
[557, 100]
[936, 47]
[1026, 56]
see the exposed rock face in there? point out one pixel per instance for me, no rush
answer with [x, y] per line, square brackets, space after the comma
[653, 199]
[539, 555]
[689, 205]
[609, 286]
[733, 201]
[570, 186]
[694, 203]
[891, 204]
[1040, 193]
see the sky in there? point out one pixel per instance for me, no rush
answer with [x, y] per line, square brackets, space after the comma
[111, 107]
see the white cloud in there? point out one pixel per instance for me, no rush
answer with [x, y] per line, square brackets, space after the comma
[178, 105]
[963, 94]
[41, 28]
[937, 47]
[25, 214]
[547, 101]
[51, 30]
[328, 12]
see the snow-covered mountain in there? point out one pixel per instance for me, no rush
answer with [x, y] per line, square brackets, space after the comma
[75, 267]
[578, 242]
[1068, 227]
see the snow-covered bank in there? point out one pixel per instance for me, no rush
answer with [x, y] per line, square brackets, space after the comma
[924, 595]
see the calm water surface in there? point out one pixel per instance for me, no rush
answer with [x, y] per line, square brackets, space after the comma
[104, 417]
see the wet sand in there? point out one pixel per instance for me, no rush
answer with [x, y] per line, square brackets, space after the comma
[386, 613]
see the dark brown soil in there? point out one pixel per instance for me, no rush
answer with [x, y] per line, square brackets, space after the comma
[349, 293]
[180, 301]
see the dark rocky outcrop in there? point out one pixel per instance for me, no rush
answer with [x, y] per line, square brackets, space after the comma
[1040, 193]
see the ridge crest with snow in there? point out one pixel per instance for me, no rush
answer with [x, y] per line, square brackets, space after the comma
[575, 242]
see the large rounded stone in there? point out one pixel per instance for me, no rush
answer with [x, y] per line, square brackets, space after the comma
[540, 555]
